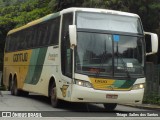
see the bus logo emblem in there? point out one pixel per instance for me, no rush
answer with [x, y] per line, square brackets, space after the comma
[64, 90]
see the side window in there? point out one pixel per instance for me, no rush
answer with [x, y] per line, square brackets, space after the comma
[33, 43]
[14, 41]
[66, 52]
[17, 42]
[54, 31]
[45, 35]
[26, 39]
[40, 35]
[22, 43]
[7, 43]
[11, 44]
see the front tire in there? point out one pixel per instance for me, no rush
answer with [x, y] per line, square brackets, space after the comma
[110, 106]
[55, 102]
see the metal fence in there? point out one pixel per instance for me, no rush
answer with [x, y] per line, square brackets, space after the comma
[0, 78]
[152, 79]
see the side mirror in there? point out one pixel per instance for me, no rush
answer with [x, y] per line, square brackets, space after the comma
[154, 42]
[73, 35]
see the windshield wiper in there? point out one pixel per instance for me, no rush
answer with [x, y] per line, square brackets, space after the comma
[101, 65]
[124, 65]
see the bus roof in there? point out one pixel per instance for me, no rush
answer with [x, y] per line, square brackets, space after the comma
[72, 9]
[98, 10]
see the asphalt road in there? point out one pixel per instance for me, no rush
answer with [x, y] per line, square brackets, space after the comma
[37, 105]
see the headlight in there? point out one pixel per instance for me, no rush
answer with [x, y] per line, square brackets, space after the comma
[138, 86]
[83, 83]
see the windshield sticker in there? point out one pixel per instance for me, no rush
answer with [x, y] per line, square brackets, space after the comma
[116, 38]
[129, 65]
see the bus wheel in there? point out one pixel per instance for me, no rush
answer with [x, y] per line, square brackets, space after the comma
[55, 102]
[11, 87]
[110, 106]
[14, 89]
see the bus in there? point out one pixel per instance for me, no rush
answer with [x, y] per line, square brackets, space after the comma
[86, 55]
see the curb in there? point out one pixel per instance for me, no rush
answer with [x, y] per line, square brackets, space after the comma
[144, 106]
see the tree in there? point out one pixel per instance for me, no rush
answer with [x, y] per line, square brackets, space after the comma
[15, 13]
[57, 5]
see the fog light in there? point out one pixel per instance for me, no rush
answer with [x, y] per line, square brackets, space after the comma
[88, 84]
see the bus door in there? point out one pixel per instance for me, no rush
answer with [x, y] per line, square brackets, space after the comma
[66, 57]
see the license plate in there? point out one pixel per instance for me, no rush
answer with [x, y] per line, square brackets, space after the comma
[111, 96]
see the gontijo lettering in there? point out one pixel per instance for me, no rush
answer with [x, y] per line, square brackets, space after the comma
[100, 81]
[20, 57]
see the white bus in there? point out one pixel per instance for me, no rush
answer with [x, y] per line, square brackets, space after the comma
[79, 55]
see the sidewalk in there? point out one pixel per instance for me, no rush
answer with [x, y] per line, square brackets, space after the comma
[1, 94]
[145, 106]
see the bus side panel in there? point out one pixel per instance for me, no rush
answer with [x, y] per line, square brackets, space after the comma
[44, 65]
[16, 63]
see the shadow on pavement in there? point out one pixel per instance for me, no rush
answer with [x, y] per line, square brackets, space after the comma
[71, 106]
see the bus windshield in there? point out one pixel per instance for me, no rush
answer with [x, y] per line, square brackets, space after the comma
[110, 22]
[103, 54]
[109, 45]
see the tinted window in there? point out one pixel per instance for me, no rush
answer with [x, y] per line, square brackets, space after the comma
[66, 52]
[54, 31]
[43, 34]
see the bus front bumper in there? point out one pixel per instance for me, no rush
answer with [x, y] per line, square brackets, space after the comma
[84, 94]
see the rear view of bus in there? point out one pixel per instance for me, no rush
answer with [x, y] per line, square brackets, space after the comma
[109, 58]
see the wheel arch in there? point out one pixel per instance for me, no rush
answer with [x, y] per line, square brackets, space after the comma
[15, 78]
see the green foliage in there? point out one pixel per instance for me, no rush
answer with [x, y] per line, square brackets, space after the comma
[6, 24]
[15, 13]
[24, 12]
[7, 2]
[152, 98]
[26, 17]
